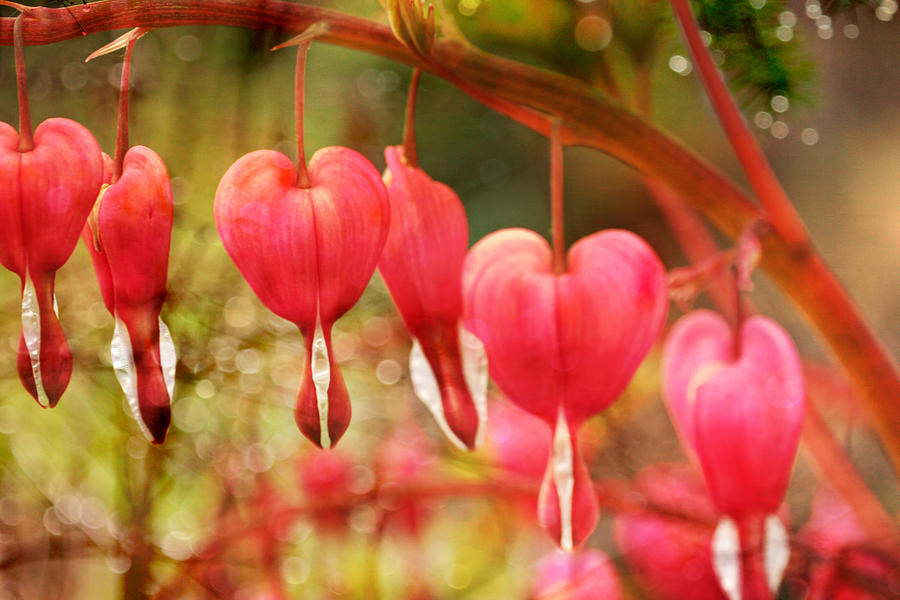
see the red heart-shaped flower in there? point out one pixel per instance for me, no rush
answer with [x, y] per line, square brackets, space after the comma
[563, 346]
[133, 228]
[45, 198]
[422, 266]
[308, 253]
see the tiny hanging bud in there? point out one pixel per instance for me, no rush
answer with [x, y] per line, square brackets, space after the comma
[412, 22]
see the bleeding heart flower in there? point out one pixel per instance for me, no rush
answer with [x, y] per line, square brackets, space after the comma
[128, 238]
[563, 346]
[741, 413]
[740, 405]
[670, 553]
[422, 267]
[45, 198]
[587, 575]
[308, 253]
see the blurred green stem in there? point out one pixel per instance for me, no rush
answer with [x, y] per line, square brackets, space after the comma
[591, 119]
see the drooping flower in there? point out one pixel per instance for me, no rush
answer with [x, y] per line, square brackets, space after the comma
[422, 266]
[739, 404]
[563, 346]
[46, 195]
[307, 240]
[586, 575]
[128, 238]
[741, 412]
[308, 253]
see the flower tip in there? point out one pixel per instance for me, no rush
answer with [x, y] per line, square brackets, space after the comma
[46, 379]
[461, 416]
[335, 413]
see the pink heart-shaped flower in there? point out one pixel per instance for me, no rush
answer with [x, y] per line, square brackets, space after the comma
[308, 253]
[741, 413]
[46, 196]
[422, 266]
[129, 246]
[563, 346]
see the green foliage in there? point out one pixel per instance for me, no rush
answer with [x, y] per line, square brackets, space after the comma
[760, 64]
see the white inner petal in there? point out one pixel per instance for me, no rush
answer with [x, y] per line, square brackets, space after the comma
[425, 385]
[167, 358]
[123, 363]
[426, 388]
[31, 331]
[726, 550]
[321, 376]
[475, 370]
[777, 551]
[562, 459]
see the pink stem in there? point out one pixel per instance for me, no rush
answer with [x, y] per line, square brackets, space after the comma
[299, 101]
[122, 124]
[26, 136]
[410, 155]
[557, 219]
[757, 169]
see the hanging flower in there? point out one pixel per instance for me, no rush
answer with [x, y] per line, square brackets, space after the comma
[128, 238]
[739, 404]
[47, 193]
[308, 253]
[563, 346]
[422, 267]
[307, 240]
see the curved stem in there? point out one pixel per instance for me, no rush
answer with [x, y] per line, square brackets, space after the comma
[757, 169]
[410, 155]
[299, 101]
[557, 216]
[591, 119]
[122, 124]
[26, 136]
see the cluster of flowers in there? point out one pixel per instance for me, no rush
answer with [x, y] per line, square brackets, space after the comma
[561, 345]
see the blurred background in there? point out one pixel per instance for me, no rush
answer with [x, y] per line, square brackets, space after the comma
[237, 503]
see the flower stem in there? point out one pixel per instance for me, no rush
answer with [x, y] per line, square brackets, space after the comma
[299, 100]
[410, 155]
[757, 169]
[739, 311]
[557, 216]
[122, 124]
[26, 136]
